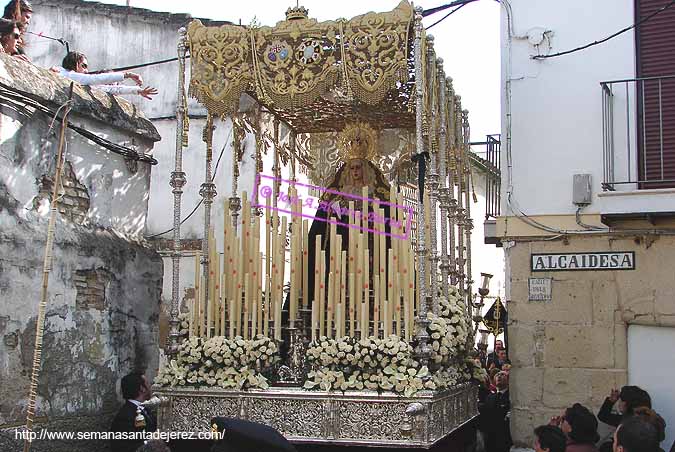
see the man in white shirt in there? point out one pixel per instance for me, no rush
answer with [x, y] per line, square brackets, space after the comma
[76, 67]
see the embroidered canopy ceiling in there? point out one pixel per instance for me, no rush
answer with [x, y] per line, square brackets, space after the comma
[315, 76]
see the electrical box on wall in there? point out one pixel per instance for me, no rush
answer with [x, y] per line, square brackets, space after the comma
[581, 189]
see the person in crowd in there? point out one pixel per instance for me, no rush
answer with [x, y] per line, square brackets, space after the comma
[133, 416]
[629, 398]
[494, 417]
[580, 427]
[501, 359]
[10, 34]
[492, 375]
[493, 354]
[626, 400]
[75, 66]
[654, 419]
[634, 434]
[238, 435]
[22, 12]
[506, 367]
[548, 438]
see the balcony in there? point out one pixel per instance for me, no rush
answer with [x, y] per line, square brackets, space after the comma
[638, 127]
[638, 118]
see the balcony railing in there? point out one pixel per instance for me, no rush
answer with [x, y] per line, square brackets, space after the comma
[490, 164]
[638, 119]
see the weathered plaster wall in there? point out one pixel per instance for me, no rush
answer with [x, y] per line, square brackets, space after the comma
[105, 282]
[573, 348]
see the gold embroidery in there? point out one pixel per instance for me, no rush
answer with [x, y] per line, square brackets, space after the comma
[304, 64]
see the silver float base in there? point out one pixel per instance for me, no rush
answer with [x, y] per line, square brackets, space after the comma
[353, 418]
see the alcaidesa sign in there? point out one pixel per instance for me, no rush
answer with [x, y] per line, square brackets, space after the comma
[609, 260]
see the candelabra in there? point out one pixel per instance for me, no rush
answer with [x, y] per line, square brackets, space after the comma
[483, 291]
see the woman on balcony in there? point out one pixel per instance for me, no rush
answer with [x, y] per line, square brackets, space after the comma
[76, 67]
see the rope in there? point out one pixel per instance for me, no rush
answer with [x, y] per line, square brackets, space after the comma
[49, 246]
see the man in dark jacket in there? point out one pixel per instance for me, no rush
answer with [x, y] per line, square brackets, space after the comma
[133, 417]
[239, 435]
[494, 421]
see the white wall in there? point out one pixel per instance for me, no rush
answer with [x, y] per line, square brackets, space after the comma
[556, 110]
[651, 366]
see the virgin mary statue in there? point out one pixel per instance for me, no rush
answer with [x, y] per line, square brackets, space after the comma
[357, 144]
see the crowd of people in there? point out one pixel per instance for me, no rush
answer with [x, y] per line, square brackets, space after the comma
[13, 28]
[638, 427]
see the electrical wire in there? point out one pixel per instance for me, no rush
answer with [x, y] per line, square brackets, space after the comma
[61, 41]
[447, 15]
[22, 99]
[635, 25]
[430, 11]
[222, 151]
[137, 66]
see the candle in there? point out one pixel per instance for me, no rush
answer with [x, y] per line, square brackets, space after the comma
[194, 318]
[343, 288]
[315, 319]
[305, 263]
[390, 285]
[387, 318]
[351, 240]
[366, 288]
[338, 315]
[376, 309]
[359, 274]
[322, 294]
[238, 294]
[259, 283]
[331, 296]
[364, 208]
[317, 277]
[352, 305]
[364, 321]
[268, 265]
[247, 301]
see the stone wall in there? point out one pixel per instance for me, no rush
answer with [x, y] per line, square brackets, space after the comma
[105, 282]
[574, 348]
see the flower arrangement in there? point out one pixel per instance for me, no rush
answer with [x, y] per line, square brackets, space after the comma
[448, 331]
[226, 363]
[388, 364]
[370, 363]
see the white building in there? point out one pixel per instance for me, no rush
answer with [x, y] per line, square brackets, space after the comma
[588, 167]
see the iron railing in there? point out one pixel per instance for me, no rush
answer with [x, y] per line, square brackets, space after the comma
[490, 164]
[638, 133]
